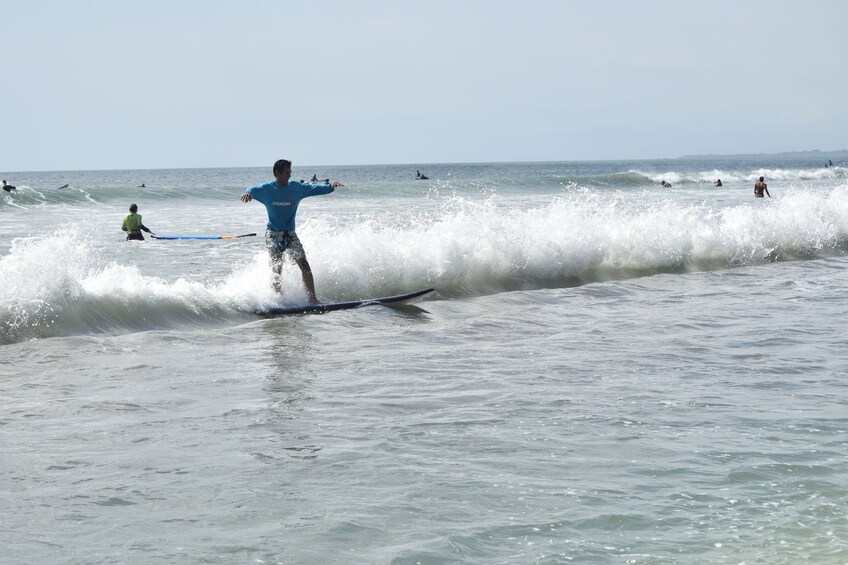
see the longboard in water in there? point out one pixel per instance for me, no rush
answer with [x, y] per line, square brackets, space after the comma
[202, 236]
[322, 308]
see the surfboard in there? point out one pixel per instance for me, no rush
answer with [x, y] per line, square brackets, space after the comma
[202, 236]
[333, 306]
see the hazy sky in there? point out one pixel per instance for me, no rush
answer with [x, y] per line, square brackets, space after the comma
[203, 83]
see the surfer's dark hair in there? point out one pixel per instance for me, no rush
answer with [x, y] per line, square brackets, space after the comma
[280, 165]
[133, 208]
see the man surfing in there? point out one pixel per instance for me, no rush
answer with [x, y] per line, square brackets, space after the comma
[281, 198]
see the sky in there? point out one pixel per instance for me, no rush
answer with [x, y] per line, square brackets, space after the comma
[121, 84]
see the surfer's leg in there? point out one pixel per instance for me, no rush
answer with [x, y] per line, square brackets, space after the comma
[277, 266]
[308, 280]
[277, 270]
[274, 241]
[296, 252]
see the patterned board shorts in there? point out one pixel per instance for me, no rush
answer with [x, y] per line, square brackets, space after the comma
[281, 242]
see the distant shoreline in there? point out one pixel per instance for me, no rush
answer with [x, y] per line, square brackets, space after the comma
[839, 157]
[812, 154]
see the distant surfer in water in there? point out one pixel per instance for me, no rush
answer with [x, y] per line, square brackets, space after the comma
[718, 183]
[281, 198]
[141, 186]
[419, 176]
[8, 187]
[63, 186]
[759, 187]
[665, 184]
[133, 226]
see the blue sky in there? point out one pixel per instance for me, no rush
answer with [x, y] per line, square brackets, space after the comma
[154, 84]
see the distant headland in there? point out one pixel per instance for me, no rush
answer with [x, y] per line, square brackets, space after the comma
[812, 154]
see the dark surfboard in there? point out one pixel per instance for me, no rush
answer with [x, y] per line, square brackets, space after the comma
[333, 306]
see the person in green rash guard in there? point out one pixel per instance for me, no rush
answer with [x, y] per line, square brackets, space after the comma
[133, 226]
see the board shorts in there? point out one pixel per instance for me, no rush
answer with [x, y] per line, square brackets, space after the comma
[135, 235]
[281, 242]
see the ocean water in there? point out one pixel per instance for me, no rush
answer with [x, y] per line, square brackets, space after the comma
[608, 372]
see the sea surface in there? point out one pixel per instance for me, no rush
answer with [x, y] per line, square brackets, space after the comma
[608, 372]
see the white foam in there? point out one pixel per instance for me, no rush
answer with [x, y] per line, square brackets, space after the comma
[459, 246]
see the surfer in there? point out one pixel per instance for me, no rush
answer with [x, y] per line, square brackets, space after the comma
[718, 183]
[314, 179]
[141, 186]
[759, 187]
[8, 187]
[133, 226]
[665, 184]
[419, 176]
[63, 186]
[281, 198]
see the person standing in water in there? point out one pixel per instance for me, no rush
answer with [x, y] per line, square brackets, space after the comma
[759, 187]
[133, 226]
[281, 198]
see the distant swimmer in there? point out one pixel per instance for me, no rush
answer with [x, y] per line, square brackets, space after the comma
[314, 179]
[759, 187]
[718, 183]
[8, 187]
[141, 186]
[63, 186]
[665, 184]
[829, 162]
[419, 176]
[133, 226]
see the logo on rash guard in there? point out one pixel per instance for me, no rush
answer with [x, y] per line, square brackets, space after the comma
[289, 203]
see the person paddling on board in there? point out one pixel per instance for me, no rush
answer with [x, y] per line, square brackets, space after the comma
[759, 187]
[133, 226]
[281, 198]
[8, 187]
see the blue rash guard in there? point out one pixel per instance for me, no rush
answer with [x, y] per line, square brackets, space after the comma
[281, 201]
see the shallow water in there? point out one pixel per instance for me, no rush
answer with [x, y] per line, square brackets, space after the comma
[667, 387]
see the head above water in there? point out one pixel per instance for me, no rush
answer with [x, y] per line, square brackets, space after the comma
[282, 171]
[762, 179]
[281, 165]
[133, 208]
